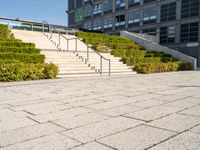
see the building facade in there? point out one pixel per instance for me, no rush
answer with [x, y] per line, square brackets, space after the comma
[175, 22]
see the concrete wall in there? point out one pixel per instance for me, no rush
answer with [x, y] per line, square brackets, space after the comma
[152, 46]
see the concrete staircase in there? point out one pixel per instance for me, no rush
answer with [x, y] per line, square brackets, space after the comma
[72, 61]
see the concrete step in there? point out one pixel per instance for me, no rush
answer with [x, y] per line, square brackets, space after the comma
[76, 72]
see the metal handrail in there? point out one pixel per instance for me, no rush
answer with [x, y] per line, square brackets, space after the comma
[53, 28]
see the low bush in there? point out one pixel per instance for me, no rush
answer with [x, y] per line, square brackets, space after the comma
[133, 54]
[6, 61]
[9, 40]
[25, 58]
[146, 68]
[28, 50]
[21, 71]
[16, 44]
[5, 32]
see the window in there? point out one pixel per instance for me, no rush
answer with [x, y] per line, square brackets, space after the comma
[71, 18]
[86, 1]
[97, 9]
[88, 25]
[87, 12]
[189, 8]
[120, 4]
[107, 6]
[71, 4]
[97, 24]
[78, 3]
[107, 22]
[148, 1]
[168, 12]
[149, 15]
[150, 31]
[189, 32]
[133, 18]
[120, 21]
[133, 3]
[167, 34]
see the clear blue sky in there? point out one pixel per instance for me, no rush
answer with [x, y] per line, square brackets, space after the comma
[53, 11]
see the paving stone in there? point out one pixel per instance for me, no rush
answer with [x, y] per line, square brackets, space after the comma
[110, 104]
[194, 111]
[60, 115]
[13, 115]
[77, 121]
[23, 134]
[50, 142]
[15, 123]
[196, 129]
[84, 103]
[101, 129]
[43, 108]
[148, 103]
[92, 146]
[170, 98]
[153, 113]
[120, 110]
[185, 103]
[184, 141]
[138, 138]
[4, 106]
[176, 122]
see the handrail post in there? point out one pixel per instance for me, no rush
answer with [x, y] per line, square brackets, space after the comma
[109, 67]
[76, 45]
[101, 65]
[59, 39]
[87, 53]
[43, 27]
[67, 45]
[50, 31]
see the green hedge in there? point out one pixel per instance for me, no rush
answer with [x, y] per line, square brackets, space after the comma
[16, 44]
[20, 71]
[9, 40]
[26, 58]
[133, 54]
[146, 68]
[5, 32]
[28, 50]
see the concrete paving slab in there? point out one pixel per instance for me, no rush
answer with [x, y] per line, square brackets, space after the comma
[92, 146]
[15, 123]
[184, 141]
[194, 111]
[81, 120]
[49, 142]
[100, 108]
[176, 122]
[19, 135]
[196, 129]
[98, 130]
[153, 113]
[138, 138]
[118, 111]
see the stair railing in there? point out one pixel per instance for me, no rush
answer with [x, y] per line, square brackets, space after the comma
[52, 29]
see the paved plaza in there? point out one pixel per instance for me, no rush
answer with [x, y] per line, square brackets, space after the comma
[128, 112]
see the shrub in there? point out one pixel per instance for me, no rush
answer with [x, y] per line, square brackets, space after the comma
[21, 71]
[133, 54]
[50, 71]
[6, 61]
[5, 32]
[26, 58]
[27, 50]
[16, 44]
[9, 40]
[146, 68]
